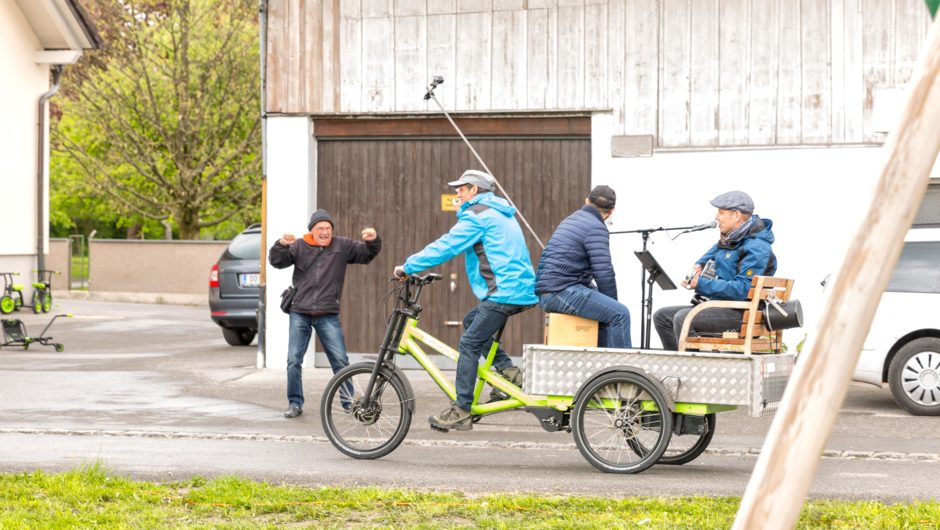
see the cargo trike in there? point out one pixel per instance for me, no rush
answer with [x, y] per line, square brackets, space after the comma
[627, 409]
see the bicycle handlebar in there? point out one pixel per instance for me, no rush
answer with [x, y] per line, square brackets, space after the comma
[418, 280]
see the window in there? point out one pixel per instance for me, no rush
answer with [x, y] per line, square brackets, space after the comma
[917, 270]
[929, 212]
[246, 246]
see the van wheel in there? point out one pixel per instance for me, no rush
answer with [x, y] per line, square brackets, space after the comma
[914, 377]
[238, 336]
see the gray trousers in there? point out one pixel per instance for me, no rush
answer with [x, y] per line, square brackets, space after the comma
[669, 320]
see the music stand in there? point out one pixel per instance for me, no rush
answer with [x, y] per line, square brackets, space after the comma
[656, 275]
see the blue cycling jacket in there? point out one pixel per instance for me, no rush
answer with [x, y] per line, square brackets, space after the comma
[737, 265]
[498, 264]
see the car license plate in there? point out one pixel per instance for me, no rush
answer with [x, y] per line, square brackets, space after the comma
[249, 280]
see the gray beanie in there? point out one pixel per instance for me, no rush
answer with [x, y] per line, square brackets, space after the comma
[320, 215]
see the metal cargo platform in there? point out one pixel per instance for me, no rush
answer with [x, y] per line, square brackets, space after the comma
[753, 381]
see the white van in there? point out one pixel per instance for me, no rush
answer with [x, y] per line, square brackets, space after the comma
[903, 345]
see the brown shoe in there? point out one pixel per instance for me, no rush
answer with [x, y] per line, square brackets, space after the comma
[453, 417]
[514, 375]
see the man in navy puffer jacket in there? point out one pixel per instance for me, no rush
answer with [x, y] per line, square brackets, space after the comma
[577, 253]
[743, 251]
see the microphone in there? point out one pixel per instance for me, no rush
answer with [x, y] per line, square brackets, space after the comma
[712, 224]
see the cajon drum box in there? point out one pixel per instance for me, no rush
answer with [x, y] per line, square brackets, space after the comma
[568, 330]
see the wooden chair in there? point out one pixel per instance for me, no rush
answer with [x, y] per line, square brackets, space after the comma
[753, 335]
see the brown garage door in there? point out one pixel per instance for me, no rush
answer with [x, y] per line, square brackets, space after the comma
[395, 184]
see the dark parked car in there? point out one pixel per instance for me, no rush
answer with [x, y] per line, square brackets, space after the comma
[233, 288]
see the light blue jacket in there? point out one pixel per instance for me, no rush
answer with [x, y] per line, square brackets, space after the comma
[498, 263]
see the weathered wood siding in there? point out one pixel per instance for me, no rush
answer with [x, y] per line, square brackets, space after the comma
[395, 185]
[692, 73]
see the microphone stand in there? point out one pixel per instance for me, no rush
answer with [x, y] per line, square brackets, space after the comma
[646, 304]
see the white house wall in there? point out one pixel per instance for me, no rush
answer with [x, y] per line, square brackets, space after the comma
[23, 82]
[816, 198]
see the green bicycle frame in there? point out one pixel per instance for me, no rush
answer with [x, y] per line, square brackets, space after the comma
[412, 335]
[404, 337]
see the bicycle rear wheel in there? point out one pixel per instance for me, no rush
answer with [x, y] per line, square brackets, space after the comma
[366, 431]
[684, 448]
[621, 423]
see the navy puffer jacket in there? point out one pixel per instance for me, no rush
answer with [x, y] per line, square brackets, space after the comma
[578, 252]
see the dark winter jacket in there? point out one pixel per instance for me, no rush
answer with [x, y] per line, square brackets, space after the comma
[319, 278]
[578, 252]
[736, 265]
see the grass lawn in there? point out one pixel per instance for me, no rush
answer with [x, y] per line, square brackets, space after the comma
[90, 497]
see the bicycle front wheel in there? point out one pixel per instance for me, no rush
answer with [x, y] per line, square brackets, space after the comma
[366, 429]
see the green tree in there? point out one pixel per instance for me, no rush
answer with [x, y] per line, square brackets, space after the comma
[166, 122]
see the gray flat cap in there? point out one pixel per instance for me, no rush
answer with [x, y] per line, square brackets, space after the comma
[480, 179]
[734, 200]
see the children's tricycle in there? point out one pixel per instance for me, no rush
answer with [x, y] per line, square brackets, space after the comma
[42, 290]
[627, 409]
[14, 334]
[12, 299]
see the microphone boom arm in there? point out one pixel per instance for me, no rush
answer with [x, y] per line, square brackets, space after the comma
[651, 230]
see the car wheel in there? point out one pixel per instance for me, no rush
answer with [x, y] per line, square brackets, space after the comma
[914, 377]
[238, 336]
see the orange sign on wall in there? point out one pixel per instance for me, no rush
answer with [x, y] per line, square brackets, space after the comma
[448, 202]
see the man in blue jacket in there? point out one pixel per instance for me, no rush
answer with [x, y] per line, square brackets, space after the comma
[742, 251]
[500, 274]
[577, 255]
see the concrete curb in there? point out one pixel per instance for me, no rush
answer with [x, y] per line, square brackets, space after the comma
[136, 298]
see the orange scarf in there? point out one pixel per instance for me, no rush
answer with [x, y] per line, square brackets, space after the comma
[310, 240]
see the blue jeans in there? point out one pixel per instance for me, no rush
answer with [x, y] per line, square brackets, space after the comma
[331, 336]
[669, 321]
[481, 323]
[581, 301]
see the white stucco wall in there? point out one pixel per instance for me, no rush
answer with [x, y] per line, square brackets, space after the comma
[291, 198]
[816, 198]
[23, 82]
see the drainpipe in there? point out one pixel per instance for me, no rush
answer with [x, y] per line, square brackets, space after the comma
[262, 306]
[41, 166]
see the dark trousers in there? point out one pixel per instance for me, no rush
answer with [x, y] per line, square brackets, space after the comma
[482, 322]
[669, 321]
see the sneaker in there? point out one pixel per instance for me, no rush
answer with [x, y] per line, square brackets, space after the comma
[453, 417]
[514, 375]
[294, 411]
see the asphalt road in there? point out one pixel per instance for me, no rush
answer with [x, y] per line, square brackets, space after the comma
[152, 391]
